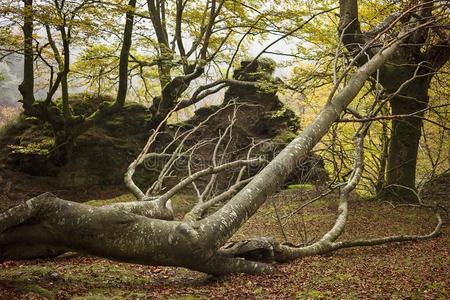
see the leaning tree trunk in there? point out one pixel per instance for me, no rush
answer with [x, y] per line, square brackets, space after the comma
[135, 232]
[408, 104]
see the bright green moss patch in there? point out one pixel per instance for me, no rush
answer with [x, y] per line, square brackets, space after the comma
[122, 198]
[300, 186]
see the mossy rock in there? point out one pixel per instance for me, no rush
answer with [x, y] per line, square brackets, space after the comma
[100, 155]
[84, 103]
[260, 115]
[259, 69]
[201, 114]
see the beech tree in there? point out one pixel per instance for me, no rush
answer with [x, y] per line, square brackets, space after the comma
[145, 231]
[406, 78]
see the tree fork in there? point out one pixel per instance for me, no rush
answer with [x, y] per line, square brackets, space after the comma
[49, 225]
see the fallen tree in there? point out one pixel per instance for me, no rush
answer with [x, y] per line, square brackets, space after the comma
[145, 231]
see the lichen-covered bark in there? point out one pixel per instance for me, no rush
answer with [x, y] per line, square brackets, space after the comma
[47, 223]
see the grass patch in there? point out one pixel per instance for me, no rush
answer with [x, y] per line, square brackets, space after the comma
[35, 289]
[304, 186]
[101, 202]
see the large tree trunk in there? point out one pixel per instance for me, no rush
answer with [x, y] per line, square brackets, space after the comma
[408, 105]
[403, 149]
[47, 225]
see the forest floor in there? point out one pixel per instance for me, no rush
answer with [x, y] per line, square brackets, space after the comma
[418, 270]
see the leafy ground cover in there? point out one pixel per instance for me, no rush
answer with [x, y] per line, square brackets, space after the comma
[418, 270]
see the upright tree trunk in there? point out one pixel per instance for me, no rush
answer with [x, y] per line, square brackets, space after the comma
[411, 100]
[26, 88]
[406, 76]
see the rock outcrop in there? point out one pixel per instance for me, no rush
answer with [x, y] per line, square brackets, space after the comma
[102, 154]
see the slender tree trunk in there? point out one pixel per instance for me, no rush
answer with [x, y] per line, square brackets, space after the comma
[124, 53]
[26, 88]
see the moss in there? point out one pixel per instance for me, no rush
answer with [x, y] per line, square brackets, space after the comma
[206, 111]
[267, 65]
[313, 294]
[187, 297]
[94, 295]
[35, 289]
[267, 86]
[122, 198]
[31, 272]
[285, 137]
[85, 103]
[30, 276]
[262, 68]
[182, 203]
[42, 147]
[99, 279]
[300, 187]
[284, 115]
[110, 294]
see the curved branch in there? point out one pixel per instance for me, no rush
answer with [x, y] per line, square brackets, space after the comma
[206, 90]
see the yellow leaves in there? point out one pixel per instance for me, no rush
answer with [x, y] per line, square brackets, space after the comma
[372, 12]
[98, 51]
[8, 39]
